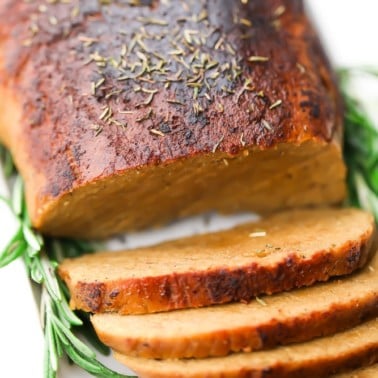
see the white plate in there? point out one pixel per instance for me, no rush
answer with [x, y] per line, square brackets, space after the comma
[349, 32]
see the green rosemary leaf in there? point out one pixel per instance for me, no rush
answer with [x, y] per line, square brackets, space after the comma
[78, 344]
[74, 248]
[83, 361]
[48, 371]
[12, 252]
[347, 71]
[360, 147]
[84, 246]
[33, 241]
[51, 343]
[59, 343]
[93, 366]
[25, 217]
[6, 161]
[366, 197]
[90, 335]
[62, 337]
[13, 249]
[66, 313]
[49, 278]
[35, 271]
[18, 196]
[56, 249]
[6, 202]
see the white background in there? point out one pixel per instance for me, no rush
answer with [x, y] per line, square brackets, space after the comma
[349, 30]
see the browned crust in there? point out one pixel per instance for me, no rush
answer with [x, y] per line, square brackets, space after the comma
[324, 363]
[271, 334]
[197, 289]
[44, 80]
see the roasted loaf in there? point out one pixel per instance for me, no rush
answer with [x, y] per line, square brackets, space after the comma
[299, 315]
[318, 358]
[287, 250]
[124, 116]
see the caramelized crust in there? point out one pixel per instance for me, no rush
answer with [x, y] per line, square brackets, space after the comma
[318, 358]
[297, 248]
[108, 108]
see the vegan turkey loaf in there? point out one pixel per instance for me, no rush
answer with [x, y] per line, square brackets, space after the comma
[287, 250]
[122, 115]
[318, 358]
[295, 316]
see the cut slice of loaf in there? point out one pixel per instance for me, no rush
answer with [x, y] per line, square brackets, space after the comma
[314, 359]
[284, 251]
[367, 372]
[284, 318]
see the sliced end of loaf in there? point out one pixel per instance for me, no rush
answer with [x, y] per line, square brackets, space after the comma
[293, 249]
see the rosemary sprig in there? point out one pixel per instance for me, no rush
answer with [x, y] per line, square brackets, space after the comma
[41, 256]
[6, 161]
[360, 146]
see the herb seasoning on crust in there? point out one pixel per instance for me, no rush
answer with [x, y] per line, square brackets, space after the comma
[104, 92]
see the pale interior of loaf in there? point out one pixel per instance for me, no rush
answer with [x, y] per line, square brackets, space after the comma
[259, 181]
[303, 232]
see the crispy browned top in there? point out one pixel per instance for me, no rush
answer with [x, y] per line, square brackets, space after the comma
[110, 85]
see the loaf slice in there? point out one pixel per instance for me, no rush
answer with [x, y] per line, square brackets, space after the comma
[314, 359]
[121, 116]
[281, 252]
[284, 318]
